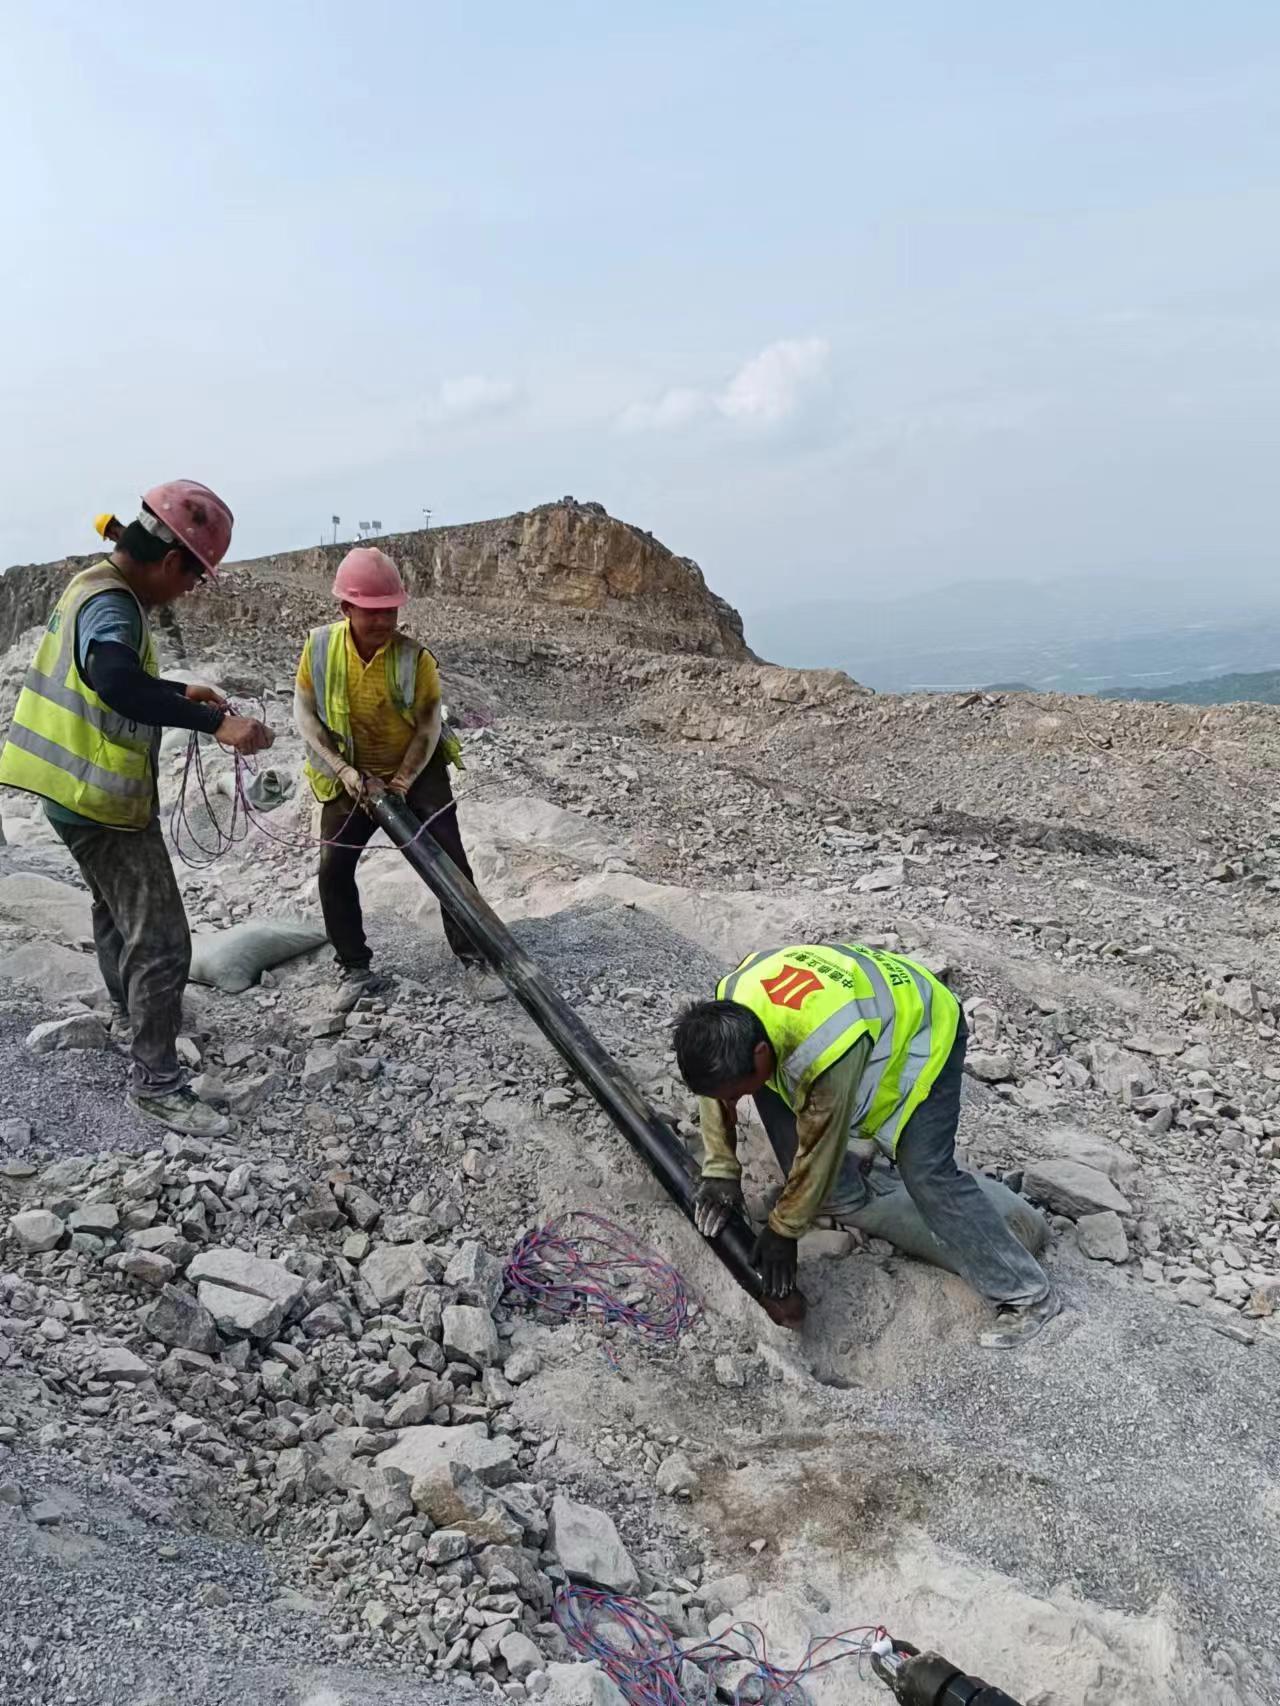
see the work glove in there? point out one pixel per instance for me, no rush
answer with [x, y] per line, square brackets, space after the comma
[351, 780]
[714, 1202]
[774, 1259]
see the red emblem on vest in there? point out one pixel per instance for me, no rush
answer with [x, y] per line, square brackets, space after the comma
[791, 987]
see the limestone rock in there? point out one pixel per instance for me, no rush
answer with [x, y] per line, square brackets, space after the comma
[418, 1450]
[81, 1030]
[588, 1546]
[1071, 1188]
[676, 1475]
[389, 1270]
[475, 1275]
[122, 1367]
[469, 1333]
[247, 1296]
[37, 1230]
[991, 1068]
[580, 1685]
[175, 1318]
[1102, 1237]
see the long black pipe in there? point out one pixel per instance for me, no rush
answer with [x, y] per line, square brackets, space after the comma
[614, 1089]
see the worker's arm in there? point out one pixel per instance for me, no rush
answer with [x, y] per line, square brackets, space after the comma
[426, 726]
[116, 675]
[426, 737]
[822, 1136]
[718, 1122]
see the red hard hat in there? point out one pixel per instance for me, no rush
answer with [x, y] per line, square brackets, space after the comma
[368, 577]
[195, 516]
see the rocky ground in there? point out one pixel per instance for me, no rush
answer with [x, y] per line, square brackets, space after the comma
[269, 1426]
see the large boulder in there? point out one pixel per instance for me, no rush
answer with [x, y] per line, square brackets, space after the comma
[37, 1230]
[389, 1270]
[247, 1296]
[1071, 1188]
[588, 1546]
[420, 1450]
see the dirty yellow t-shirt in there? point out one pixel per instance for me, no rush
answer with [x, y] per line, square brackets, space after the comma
[378, 731]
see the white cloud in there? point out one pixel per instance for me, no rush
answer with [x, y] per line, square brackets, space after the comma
[673, 409]
[764, 391]
[772, 385]
[468, 397]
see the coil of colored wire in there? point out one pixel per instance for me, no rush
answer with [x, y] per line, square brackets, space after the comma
[641, 1656]
[581, 1263]
[243, 814]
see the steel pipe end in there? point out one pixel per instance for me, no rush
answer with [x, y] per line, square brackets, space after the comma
[786, 1311]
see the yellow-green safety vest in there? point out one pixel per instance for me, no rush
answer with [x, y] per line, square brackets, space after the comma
[328, 649]
[816, 1001]
[67, 744]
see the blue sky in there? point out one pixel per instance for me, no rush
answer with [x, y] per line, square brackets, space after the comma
[836, 298]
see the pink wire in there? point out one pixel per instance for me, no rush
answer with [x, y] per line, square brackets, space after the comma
[582, 1262]
[246, 816]
[645, 1663]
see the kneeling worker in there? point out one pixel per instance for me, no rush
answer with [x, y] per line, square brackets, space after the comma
[367, 704]
[84, 736]
[850, 1052]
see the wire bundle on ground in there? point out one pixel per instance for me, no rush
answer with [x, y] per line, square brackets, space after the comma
[581, 1263]
[641, 1656]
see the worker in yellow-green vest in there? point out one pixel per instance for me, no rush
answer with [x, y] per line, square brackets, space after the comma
[84, 737]
[367, 704]
[854, 1058]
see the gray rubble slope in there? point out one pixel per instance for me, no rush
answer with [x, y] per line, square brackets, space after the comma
[1093, 1519]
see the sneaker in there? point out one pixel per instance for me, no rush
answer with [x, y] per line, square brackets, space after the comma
[1017, 1324]
[182, 1111]
[357, 982]
[482, 983]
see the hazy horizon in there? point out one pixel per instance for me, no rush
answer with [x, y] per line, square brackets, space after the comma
[832, 301]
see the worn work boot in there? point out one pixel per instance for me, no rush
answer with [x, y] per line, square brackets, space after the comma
[483, 984]
[357, 982]
[182, 1111]
[1017, 1324]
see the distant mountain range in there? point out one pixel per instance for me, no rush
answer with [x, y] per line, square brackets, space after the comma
[1261, 688]
[1138, 636]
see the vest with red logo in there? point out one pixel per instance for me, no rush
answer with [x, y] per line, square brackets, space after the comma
[817, 1000]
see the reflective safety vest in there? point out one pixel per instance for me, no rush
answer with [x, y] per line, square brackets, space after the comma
[816, 1001]
[68, 745]
[333, 703]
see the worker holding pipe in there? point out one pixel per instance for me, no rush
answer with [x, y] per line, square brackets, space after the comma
[853, 1056]
[367, 704]
[85, 736]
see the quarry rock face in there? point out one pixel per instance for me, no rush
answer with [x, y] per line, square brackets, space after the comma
[568, 557]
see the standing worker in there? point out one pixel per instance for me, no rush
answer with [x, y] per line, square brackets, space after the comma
[367, 704]
[85, 736]
[850, 1052]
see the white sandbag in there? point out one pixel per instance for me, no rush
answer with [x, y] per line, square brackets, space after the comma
[233, 960]
[266, 789]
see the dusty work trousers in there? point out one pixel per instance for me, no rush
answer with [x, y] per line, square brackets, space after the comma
[141, 935]
[960, 1222]
[342, 822]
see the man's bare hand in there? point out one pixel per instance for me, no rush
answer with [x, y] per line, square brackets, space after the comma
[352, 781]
[245, 735]
[201, 695]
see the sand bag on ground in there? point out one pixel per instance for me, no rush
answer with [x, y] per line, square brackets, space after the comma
[233, 960]
[892, 1215]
